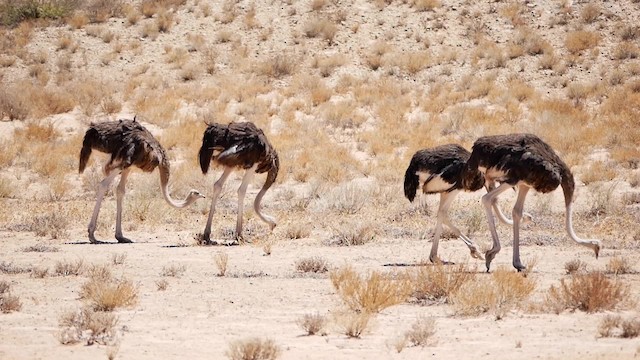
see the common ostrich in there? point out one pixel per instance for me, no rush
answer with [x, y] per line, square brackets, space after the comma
[439, 170]
[238, 146]
[525, 161]
[129, 144]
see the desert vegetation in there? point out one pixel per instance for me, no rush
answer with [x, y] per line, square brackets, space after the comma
[346, 92]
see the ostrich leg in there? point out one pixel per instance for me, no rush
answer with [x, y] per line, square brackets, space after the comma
[487, 201]
[517, 216]
[242, 191]
[526, 217]
[102, 189]
[119, 195]
[443, 213]
[217, 188]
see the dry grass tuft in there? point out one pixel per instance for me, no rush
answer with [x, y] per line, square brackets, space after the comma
[69, 268]
[370, 293]
[619, 265]
[88, 326]
[173, 270]
[421, 331]
[575, 266]
[321, 27]
[118, 259]
[616, 326]
[221, 260]
[591, 292]
[315, 264]
[438, 283]
[503, 291]
[40, 248]
[105, 293]
[590, 12]
[578, 41]
[10, 268]
[312, 323]
[253, 349]
[8, 302]
[162, 284]
[352, 323]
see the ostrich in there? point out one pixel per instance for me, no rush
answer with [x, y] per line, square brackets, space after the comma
[128, 143]
[439, 170]
[237, 146]
[525, 161]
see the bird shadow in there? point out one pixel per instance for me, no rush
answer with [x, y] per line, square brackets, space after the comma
[81, 242]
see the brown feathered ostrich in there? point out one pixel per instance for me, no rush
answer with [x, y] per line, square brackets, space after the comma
[438, 170]
[129, 144]
[238, 146]
[525, 161]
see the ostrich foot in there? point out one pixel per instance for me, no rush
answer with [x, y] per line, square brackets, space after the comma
[519, 266]
[123, 240]
[436, 260]
[204, 238]
[93, 239]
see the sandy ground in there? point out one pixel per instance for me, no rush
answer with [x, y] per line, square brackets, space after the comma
[199, 313]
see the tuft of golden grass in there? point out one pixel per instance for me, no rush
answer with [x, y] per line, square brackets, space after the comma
[173, 270]
[320, 27]
[278, 67]
[370, 293]
[221, 259]
[581, 40]
[426, 5]
[503, 291]
[162, 284]
[314, 264]
[590, 12]
[312, 323]
[88, 326]
[352, 323]
[619, 265]
[591, 292]
[103, 292]
[254, 348]
[439, 282]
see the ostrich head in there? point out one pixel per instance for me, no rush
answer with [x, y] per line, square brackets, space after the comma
[193, 196]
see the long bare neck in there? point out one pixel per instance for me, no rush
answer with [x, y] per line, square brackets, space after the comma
[165, 172]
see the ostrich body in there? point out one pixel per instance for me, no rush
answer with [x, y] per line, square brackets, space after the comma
[438, 170]
[525, 161]
[129, 144]
[238, 146]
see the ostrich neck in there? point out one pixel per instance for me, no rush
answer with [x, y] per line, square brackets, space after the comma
[164, 185]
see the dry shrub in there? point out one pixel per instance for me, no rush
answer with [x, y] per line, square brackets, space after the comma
[221, 260]
[426, 5]
[164, 21]
[626, 50]
[503, 291]
[278, 67]
[370, 293]
[298, 230]
[8, 302]
[616, 326]
[39, 273]
[12, 105]
[327, 64]
[118, 259]
[162, 284]
[69, 268]
[54, 224]
[599, 171]
[591, 292]
[173, 270]
[575, 266]
[590, 12]
[352, 234]
[353, 323]
[312, 323]
[40, 248]
[253, 349]
[320, 27]
[314, 264]
[439, 282]
[88, 326]
[580, 40]
[11, 268]
[421, 332]
[619, 265]
[105, 293]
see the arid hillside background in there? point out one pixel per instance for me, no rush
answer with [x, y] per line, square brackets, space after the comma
[346, 91]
